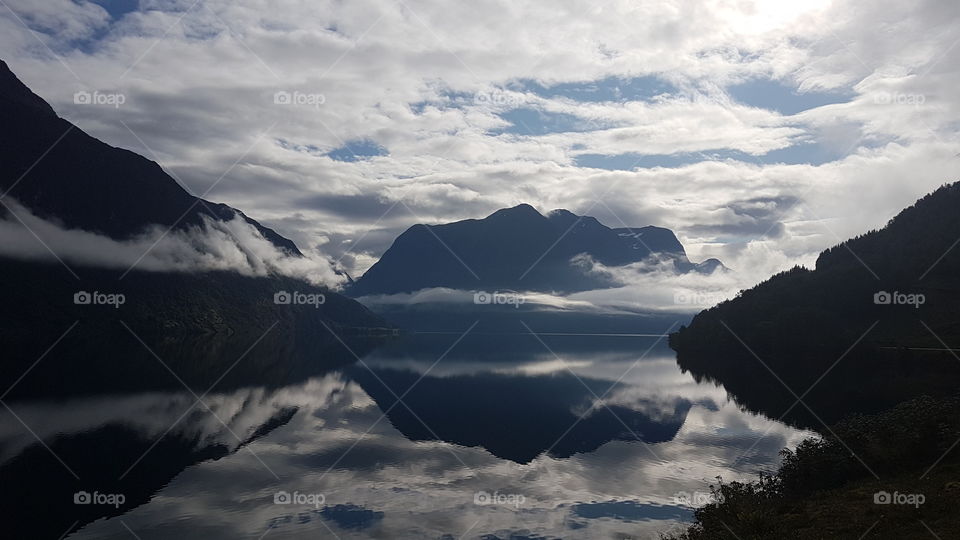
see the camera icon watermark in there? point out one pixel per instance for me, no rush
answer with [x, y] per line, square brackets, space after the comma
[896, 298]
[96, 298]
[502, 298]
[295, 298]
[296, 97]
[300, 499]
[695, 499]
[899, 98]
[112, 499]
[112, 99]
[910, 499]
[683, 298]
[484, 498]
[498, 98]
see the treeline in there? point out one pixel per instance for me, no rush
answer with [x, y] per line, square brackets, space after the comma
[790, 330]
[886, 476]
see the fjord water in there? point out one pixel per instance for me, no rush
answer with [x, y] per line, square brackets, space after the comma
[430, 436]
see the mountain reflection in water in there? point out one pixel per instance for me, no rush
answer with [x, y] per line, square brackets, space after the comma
[478, 445]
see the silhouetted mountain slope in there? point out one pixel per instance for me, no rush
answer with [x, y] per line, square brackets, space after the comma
[57, 171]
[62, 174]
[516, 248]
[800, 322]
[197, 324]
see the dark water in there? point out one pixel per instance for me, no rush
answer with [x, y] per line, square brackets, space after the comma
[498, 437]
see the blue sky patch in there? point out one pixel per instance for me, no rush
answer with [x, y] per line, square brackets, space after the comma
[630, 511]
[305, 148]
[811, 153]
[357, 150]
[777, 96]
[530, 121]
[118, 8]
[631, 161]
[608, 89]
[351, 516]
[90, 43]
[446, 98]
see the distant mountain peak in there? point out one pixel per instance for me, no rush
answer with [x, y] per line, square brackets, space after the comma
[561, 213]
[517, 248]
[521, 211]
[566, 219]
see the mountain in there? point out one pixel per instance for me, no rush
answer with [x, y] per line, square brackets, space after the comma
[57, 171]
[896, 290]
[64, 175]
[195, 323]
[517, 248]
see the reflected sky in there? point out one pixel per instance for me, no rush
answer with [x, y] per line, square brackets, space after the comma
[327, 437]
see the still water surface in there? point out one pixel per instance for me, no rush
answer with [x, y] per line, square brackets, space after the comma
[571, 437]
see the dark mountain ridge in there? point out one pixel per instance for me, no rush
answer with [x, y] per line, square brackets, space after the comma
[200, 322]
[849, 318]
[59, 172]
[517, 248]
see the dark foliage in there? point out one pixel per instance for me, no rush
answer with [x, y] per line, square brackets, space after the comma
[824, 488]
[802, 324]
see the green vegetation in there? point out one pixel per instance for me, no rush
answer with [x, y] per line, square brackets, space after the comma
[828, 336]
[826, 487]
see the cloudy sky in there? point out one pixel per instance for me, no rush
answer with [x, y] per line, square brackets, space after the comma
[760, 131]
